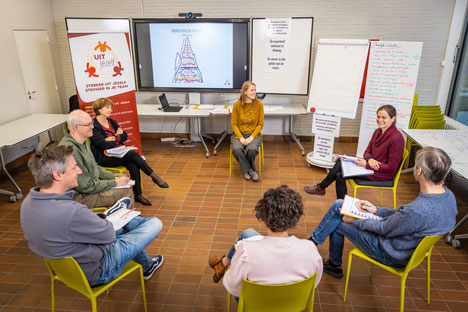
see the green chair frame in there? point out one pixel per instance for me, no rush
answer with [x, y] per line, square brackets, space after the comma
[396, 178]
[69, 272]
[423, 251]
[290, 297]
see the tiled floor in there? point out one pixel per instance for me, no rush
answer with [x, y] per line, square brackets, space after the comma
[203, 211]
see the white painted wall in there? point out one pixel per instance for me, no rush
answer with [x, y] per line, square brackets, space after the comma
[21, 14]
[416, 20]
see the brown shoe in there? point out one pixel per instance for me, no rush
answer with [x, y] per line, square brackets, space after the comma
[213, 260]
[218, 266]
[314, 190]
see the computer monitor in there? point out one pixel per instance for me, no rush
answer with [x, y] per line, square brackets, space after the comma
[191, 54]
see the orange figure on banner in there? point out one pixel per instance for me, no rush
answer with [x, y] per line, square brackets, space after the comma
[102, 46]
[91, 71]
[117, 70]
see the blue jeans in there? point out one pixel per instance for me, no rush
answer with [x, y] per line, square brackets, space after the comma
[246, 234]
[332, 226]
[130, 243]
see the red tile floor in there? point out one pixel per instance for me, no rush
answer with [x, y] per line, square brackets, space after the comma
[203, 211]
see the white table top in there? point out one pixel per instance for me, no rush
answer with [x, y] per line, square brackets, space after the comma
[453, 142]
[29, 126]
[153, 110]
[275, 110]
[269, 110]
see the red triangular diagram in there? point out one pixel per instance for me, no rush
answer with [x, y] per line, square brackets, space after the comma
[186, 67]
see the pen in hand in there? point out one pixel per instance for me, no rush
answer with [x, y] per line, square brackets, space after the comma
[365, 206]
[361, 207]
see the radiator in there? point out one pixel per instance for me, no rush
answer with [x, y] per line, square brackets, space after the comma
[452, 124]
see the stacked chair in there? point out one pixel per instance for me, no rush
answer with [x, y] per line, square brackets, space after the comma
[423, 117]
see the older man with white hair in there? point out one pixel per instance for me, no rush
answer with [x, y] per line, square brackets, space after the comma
[95, 184]
[393, 239]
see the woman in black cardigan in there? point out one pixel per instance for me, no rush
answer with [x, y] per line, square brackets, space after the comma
[108, 134]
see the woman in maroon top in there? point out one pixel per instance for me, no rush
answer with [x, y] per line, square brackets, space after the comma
[383, 155]
[108, 134]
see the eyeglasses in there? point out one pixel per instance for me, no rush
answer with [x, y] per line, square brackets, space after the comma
[86, 125]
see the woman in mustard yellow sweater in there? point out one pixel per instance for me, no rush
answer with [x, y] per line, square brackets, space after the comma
[247, 123]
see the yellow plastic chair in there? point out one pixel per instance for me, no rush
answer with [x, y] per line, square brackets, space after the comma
[393, 187]
[424, 115]
[261, 159]
[424, 120]
[423, 123]
[423, 250]
[69, 272]
[290, 297]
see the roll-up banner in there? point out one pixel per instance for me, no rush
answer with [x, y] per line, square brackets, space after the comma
[102, 64]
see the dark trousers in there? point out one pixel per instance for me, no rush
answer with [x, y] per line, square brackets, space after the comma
[246, 155]
[336, 174]
[134, 163]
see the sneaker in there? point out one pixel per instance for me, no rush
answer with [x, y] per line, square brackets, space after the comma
[314, 190]
[121, 203]
[247, 176]
[332, 269]
[157, 262]
[254, 175]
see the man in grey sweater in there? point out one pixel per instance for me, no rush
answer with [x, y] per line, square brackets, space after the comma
[393, 239]
[56, 226]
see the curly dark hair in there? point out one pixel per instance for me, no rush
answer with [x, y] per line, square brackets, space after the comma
[280, 208]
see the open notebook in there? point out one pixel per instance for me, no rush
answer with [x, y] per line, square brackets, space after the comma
[350, 169]
[351, 208]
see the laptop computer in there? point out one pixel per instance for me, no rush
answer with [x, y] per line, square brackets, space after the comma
[165, 104]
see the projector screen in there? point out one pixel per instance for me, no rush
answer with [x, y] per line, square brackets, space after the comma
[191, 54]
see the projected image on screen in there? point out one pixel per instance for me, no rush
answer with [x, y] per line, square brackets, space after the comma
[192, 55]
[186, 67]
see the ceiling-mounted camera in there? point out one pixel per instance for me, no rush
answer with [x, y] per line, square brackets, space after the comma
[190, 15]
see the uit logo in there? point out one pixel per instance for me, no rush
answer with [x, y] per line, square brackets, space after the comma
[103, 62]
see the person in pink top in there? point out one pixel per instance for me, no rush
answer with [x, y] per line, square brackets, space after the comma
[383, 155]
[273, 259]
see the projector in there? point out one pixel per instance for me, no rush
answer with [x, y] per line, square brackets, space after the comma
[190, 15]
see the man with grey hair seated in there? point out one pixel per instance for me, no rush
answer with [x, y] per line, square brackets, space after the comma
[56, 226]
[393, 239]
[95, 184]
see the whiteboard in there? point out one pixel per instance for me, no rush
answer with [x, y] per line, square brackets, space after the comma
[391, 79]
[337, 77]
[295, 80]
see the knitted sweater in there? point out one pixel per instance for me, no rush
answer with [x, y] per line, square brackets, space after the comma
[388, 149]
[247, 118]
[94, 179]
[401, 230]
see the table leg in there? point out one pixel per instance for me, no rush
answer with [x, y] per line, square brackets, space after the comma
[13, 197]
[225, 132]
[52, 135]
[293, 135]
[201, 137]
